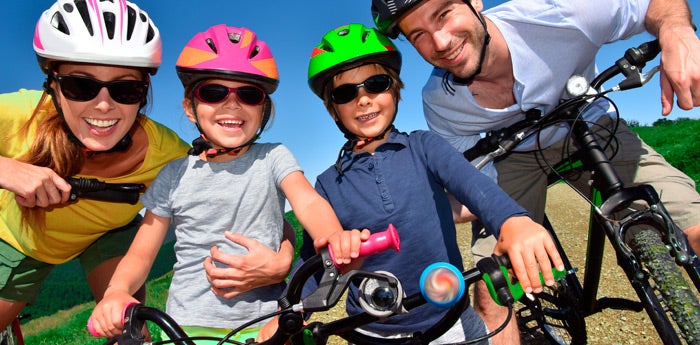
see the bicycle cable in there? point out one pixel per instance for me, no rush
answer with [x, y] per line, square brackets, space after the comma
[490, 334]
[611, 142]
[249, 323]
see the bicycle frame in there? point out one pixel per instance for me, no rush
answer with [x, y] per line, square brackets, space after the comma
[13, 334]
[609, 197]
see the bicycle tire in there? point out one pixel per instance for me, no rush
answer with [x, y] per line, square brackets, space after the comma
[7, 337]
[552, 315]
[676, 295]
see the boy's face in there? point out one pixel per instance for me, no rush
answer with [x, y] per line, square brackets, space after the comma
[368, 114]
[447, 34]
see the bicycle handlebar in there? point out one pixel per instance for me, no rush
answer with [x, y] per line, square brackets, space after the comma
[91, 188]
[499, 142]
[330, 289]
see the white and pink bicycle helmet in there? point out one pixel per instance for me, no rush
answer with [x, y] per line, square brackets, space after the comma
[110, 32]
[231, 53]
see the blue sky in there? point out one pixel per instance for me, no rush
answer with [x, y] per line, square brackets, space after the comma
[291, 28]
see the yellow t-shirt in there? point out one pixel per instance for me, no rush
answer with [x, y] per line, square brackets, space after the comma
[72, 228]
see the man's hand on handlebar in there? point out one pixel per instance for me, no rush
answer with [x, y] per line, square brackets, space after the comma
[680, 68]
[530, 249]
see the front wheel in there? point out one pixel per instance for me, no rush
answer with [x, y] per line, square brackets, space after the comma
[671, 289]
[552, 316]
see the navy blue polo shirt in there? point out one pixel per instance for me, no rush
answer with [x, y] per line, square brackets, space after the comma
[403, 183]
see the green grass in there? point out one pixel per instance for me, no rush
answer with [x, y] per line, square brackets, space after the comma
[678, 141]
[66, 289]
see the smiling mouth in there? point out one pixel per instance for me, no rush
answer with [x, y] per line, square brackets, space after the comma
[230, 123]
[455, 54]
[101, 125]
[367, 116]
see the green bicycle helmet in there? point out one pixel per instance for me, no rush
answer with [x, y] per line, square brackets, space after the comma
[345, 47]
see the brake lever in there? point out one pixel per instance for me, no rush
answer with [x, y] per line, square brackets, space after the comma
[635, 80]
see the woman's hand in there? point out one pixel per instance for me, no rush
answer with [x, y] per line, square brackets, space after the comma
[260, 267]
[33, 186]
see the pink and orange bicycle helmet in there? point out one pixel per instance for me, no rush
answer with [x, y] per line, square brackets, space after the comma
[111, 32]
[231, 53]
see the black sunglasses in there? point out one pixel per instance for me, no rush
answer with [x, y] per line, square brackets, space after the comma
[217, 93]
[374, 84]
[83, 89]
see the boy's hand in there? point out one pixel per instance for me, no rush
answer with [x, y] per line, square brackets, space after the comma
[529, 248]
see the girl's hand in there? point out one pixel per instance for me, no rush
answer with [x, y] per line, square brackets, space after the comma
[344, 244]
[33, 186]
[268, 330]
[107, 318]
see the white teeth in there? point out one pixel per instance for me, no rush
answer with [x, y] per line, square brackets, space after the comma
[231, 122]
[101, 123]
[367, 117]
[455, 54]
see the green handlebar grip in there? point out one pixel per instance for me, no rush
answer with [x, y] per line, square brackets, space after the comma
[515, 289]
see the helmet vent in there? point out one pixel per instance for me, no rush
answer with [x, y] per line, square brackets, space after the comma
[130, 22]
[109, 19]
[151, 33]
[234, 37]
[60, 24]
[68, 8]
[254, 52]
[211, 45]
[364, 36]
[84, 14]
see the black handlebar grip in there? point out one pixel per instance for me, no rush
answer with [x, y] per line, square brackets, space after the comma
[90, 188]
[644, 53]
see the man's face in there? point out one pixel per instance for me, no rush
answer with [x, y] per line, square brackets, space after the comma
[447, 34]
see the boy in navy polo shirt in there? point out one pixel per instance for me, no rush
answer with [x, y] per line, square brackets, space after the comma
[384, 176]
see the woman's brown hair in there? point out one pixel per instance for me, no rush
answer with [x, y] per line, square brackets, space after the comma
[51, 147]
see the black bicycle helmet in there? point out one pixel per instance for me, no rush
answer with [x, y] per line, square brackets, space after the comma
[386, 14]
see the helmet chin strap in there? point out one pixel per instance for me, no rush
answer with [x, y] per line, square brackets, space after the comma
[487, 40]
[355, 141]
[121, 146]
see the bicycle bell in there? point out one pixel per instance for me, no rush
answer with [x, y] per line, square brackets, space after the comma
[378, 298]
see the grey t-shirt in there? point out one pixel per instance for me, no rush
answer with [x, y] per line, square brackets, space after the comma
[204, 199]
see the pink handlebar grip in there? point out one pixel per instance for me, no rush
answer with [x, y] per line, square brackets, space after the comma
[381, 241]
[377, 243]
[91, 328]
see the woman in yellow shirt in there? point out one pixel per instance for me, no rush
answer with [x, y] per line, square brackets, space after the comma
[98, 57]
